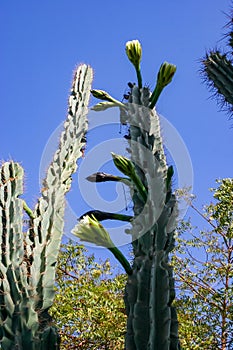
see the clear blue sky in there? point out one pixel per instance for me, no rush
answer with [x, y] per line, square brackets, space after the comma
[42, 41]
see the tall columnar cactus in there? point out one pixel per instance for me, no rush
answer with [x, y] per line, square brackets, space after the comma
[28, 256]
[217, 69]
[149, 294]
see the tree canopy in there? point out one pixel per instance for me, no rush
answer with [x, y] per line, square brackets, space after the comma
[204, 271]
[89, 307]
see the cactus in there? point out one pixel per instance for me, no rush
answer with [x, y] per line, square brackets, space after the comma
[29, 255]
[217, 70]
[149, 294]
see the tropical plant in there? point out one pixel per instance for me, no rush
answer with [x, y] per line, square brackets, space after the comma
[149, 295]
[29, 254]
[203, 265]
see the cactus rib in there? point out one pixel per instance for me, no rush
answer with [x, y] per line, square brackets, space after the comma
[28, 259]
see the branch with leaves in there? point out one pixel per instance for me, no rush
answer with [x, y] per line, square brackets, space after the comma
[206, 285]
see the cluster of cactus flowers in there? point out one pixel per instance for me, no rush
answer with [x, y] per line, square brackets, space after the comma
[149, 294]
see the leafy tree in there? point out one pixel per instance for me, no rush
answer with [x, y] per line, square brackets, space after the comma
[203, 265]
[88, 308]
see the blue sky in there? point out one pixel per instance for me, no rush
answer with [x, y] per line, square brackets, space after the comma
[43, 41]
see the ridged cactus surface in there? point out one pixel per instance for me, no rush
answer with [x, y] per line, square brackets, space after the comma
[219, 73]
[217, 69]
[152, 322]
[149, 294]
[28, 257]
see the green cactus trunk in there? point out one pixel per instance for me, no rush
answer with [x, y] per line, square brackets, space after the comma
[28, 258]
[152, 321]
[149, 294]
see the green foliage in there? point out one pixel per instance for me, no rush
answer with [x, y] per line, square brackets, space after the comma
[203, 266]
[29, 254]
[89, 307]
[89, 301]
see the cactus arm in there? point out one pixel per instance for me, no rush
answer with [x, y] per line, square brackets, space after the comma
[10, 189]
[218, 71]
[49, 211]
[16, 311]
[28, 259]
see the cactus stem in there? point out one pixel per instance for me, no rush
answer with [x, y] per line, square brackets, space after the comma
[139, 77]
[122, 259]
[141, 188]
[155, 96]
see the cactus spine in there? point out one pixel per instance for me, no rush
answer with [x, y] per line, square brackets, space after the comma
[217, 70]
[28, 257]
[151, 318]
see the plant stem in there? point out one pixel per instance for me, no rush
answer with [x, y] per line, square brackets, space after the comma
[139, 77]
[122, 259]
[141, 188]
[155, 95]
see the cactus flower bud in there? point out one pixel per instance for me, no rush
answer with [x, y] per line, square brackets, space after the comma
[166, 73]
[102, 177]
[127, 168]
[164, 77]
[134, 52]
[102, 95]
[123, 164]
